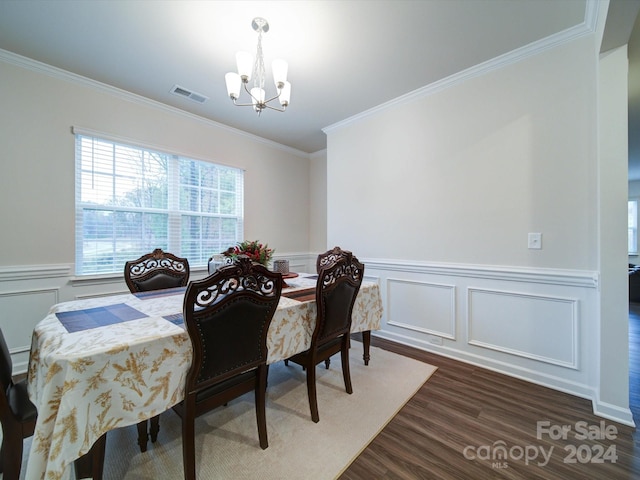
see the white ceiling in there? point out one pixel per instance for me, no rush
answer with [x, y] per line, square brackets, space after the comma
[345, 57]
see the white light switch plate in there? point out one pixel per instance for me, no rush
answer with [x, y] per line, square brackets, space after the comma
[535, 241]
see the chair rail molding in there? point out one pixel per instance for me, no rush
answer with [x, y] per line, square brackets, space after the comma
[572, 278]
[33, 272]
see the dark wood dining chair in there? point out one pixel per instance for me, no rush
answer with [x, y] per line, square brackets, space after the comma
[227, 316]
[338, 284]
[17, 414]
[154, 271]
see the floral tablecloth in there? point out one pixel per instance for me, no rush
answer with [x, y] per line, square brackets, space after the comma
[108, 362]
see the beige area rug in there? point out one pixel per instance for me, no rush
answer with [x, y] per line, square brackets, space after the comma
[227, 438]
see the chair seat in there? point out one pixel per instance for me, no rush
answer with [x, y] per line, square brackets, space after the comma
[226, 385]
[222, 392]
[324, 351]
[21, 406]
[332, 345]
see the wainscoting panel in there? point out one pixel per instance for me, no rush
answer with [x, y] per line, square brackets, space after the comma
[18, 308]
[422, 306]
[539, 325]
[542, 328]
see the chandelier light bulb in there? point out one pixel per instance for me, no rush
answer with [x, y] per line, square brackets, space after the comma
[285, 95]
[245, 65]
[233, 82]
[279, 68]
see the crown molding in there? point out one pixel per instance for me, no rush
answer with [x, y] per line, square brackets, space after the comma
[319, 154]
[585, 28]
[55, 72]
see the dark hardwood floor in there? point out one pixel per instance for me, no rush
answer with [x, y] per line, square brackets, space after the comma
[455, 425]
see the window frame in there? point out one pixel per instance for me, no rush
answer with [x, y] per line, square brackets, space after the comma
[175, 214]
[632, 225]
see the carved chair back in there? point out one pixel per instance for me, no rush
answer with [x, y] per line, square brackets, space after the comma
[156, 270]
[330, 256]
[227, 316]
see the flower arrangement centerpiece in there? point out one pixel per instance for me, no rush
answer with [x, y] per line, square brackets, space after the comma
[256, 251]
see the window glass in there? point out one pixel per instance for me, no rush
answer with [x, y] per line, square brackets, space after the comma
[633, 227]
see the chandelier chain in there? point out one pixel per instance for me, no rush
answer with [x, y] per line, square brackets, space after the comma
[258, 66]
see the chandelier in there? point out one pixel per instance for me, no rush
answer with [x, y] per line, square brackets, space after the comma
[248, 69]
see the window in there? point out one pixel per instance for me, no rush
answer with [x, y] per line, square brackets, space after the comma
[131, 200]
[633, 227]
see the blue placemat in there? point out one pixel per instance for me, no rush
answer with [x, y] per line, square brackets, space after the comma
[79, 320]
[176, 318]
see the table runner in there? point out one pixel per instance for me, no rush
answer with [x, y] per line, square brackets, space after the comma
[304, 295]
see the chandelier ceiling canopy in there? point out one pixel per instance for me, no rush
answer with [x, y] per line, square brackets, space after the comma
[249, 68]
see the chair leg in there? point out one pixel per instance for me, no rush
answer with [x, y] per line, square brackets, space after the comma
[154, 428]
[366, 345]
[327, 362]
[188, 444]
[11, 454]
[311, 392]
[261, 391]
[91, 465]
[346, 373]
[142, 435]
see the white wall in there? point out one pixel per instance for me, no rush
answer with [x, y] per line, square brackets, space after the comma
[37, 151]
[318, 202]
[39, 106]
[612, 188]
[444, 190]
[464, 174]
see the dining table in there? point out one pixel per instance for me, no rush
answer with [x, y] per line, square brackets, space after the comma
[107, 362]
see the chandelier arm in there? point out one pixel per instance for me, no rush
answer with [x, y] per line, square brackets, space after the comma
[252, 105]
[244, 84]
[260, 104]
[273, 98]
[275, 108]
[242, 104]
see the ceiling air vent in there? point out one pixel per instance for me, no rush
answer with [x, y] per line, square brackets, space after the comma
[183, 92]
